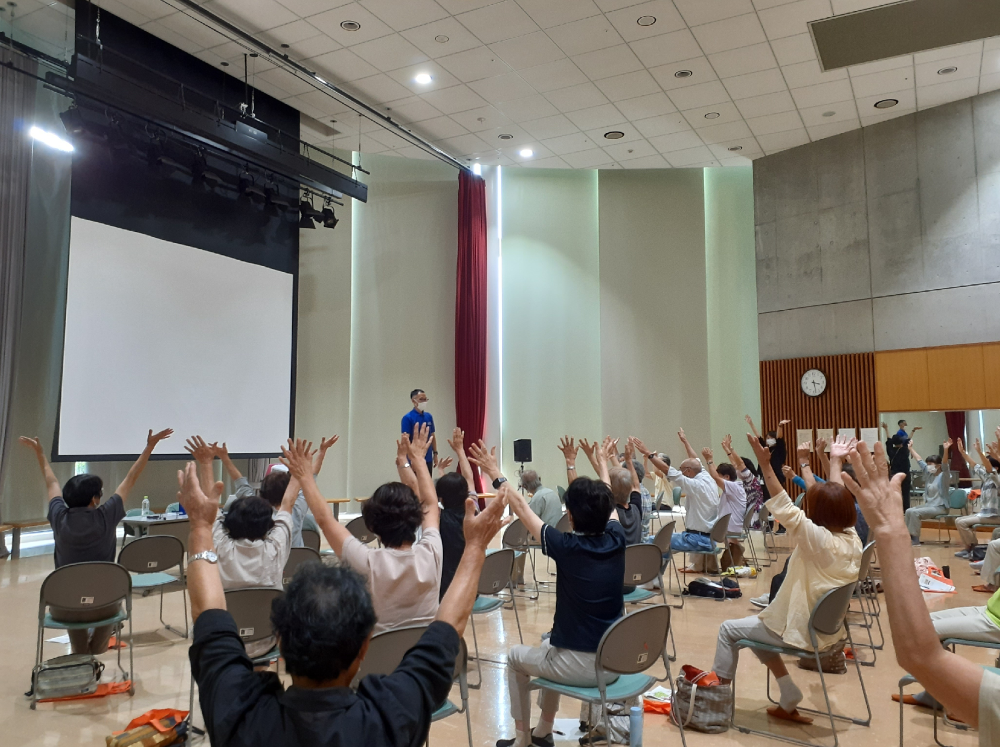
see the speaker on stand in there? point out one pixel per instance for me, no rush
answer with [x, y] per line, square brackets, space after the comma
[522, 454]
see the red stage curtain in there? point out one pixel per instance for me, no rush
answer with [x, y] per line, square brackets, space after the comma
[470, 311]
[956, 430]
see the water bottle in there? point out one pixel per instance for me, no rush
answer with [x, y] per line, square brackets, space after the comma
[635, 726]
[145, 505]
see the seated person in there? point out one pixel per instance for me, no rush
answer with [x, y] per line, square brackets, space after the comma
[989, 566]
[590, 563]
[452, 490]
[84, 530]
[937, 477]
[989, 508]
[827, 555]
[404, 575]
[325, 622]
[967, 691]
[748, 477]
[628, 501]
[733, 501]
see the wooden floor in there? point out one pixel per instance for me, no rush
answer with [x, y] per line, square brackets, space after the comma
[162, 671]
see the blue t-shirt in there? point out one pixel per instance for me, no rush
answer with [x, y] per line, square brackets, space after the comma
[414, 418]
[591, 570]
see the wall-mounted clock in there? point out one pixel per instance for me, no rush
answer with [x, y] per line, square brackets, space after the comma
[813, 382]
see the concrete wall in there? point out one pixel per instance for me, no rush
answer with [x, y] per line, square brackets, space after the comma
[882, 238]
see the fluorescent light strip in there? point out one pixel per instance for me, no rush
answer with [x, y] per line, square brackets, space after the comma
[50, 139]
[500, 300]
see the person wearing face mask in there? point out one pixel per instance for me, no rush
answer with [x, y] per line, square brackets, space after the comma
[775, 441]
[937, 477]
[419, 416]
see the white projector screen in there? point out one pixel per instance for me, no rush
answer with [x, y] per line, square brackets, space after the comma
[161, 335]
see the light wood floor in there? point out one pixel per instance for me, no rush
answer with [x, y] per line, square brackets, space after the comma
[162, 671]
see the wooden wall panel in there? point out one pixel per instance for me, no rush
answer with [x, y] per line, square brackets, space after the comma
[991, 375]
[955, 378]
[901, 380]
[848, 402]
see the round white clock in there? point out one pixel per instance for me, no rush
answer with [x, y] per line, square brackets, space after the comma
[813, 382]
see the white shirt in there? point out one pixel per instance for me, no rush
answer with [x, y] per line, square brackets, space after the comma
[991, 482]
[702, 503]
[734, 503]
[259, 563]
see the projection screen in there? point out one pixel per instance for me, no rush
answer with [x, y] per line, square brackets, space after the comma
[162, 335]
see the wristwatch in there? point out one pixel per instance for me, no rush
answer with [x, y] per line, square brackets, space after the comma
[208, 555]
[498, 482]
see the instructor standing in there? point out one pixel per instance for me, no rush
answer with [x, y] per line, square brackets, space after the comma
[418, 416]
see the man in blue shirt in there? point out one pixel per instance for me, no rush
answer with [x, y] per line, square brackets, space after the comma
[418, 416]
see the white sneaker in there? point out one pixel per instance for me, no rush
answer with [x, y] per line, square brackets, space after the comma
[962, 554]
[762, 601]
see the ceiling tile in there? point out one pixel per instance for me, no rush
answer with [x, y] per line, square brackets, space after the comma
[190, 29]
[749, 59]
[729, 33]
[824, 93]
[992, 43]
[559, 74]
[389, 52]
[879, 66]
[454, 99]
[888, 80]
[462, 145]
[662, 50]
[576, 97]
[628, 86]
[649, 162]
[324, 102]
[840, 7]
[622, 151]
[460, 6]
[818, 132]
[528, 50]
[285, 81]
[527, 108]
[138, 12]
[313, 47]
[329, 23]
[816, 116]
[290, 33]
[689, 158]
[676, 141]
[502, 87]
[538, 152]
[380, 88]
[700, 67]
[552, 162]
[943, 93]
[701, 95]
[440, 78]
[474, 64]
[808, 74]
[882, 116]
[519, 136]
[490, 118]
[697, 12]
[968, 67]
[405, 15]
[725, 133]
[609, 5]
[547, 13]
[727, 112]
[604, 63]
[572, 143]
[907, 98]
[791, 49]
[643, 107]
[596, 116]
[765, 4]
[547, 127]
[947, 53]
[782, 140]
[774, 123]
[626, 19]
[493, 23]
[588, 159]
[256, 16]
[587, 35]
[746, 147]
[665, 124]
[301, 8]
[440, 127]
[413, 109]
[342, 65]
[629, 134]
[426, 38]
[792, 18]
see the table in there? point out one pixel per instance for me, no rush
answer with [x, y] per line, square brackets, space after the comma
[179, 527]
[335, 502]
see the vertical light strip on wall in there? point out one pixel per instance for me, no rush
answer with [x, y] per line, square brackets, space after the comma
[500, 304]
[982, 430]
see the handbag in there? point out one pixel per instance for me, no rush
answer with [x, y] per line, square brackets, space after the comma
[64, 676]
[701, 702]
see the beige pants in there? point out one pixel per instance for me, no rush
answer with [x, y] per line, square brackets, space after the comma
[970, 623]
[964, 526]
[88, 640]
[991, 563]
[561, 665]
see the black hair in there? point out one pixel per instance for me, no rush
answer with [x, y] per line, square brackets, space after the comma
[415, 392]
[933, 459]
[393, 513]
[80, 490]
[995, 463]
[273, 486]
[249, 518]
[323, 619]
[589, 502]
[900, 422]
[727, 470]
[452, 489]
[772, 434]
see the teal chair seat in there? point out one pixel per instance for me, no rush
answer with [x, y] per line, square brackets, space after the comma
[446, 710]
[486, 604]
[784, 650]
[626, 686]
[152, 580]
[638, 595]
[50, 623]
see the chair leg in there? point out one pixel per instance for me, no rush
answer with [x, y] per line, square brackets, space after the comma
[670, 681]
[38, 663]
[475, 643]
[517, 619]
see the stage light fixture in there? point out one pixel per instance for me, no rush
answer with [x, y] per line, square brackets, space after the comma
[72, 120]
[330, 219]
[309, 213]
[51, 139]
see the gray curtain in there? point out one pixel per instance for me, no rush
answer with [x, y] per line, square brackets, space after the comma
[17, 105]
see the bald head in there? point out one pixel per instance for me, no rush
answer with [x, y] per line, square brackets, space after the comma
[691, 467]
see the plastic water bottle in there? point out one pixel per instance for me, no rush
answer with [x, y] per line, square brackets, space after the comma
[635, 726]
[145, 505]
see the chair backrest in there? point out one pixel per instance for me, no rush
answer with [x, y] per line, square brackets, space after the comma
[495, 575]
[635, 642]
[173, 508]
[152, 554]
[828, 615]
[310, 538]
[84, 586]
[958, 498]
[516, 535]
[362, 533]
[663, 537]
[677, 495]
[658, 501]
[179, 529]
[719, 530]
[798, 500]
[564, 525]
[133, 512]
[866, 561]
[748, 519]
[642, 564]
[387, 649]
[562, 494]
[296, 557]
[251, 609]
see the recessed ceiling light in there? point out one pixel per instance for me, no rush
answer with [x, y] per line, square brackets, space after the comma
[646, 20]
[886, 103]
[505, 136]
[526, 153]
[947, 70]
[712, 115]
[614, 135]
[735, 147]
[828, 114]
[441, 39]
[350, 25]
[683, 74]
[284, 46]
[423, 79]
[224, 64]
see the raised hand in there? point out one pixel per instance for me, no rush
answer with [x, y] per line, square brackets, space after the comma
[610, 448]
[457, 440]
[880, 498]
[727, 444]
[821, 445]
[629, 451]
[681, 436]
[841, 446]
[443, 463]
[947, 444]
[784, 422]
[420, 442]
[219, 451]
[640, 446]
[978, 445]
[761, 451]
[916, 428]
[35, 444]
[569, 448]
[154, 438]
[588, 448]
[201, 507]
[403, 448]
[326, 443]
[787, 471]
[297, 456]
[707, 453]
[485, 460]
[480, 529]
[199, 450]
[884, 426]
[803, 451]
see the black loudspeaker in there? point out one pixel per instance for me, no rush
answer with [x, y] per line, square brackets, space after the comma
[522, 450]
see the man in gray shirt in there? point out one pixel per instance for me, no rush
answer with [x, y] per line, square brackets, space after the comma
[544, 503]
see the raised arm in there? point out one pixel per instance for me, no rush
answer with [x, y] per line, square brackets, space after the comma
[803, 455]
[140, 464]
[946, 462]
[610, 447]
[780, 433]
[441, 464]
[839, 450]
[419, 444]
[569, 449]
[630, 465]
[736, 459]
[951, 679]
[824, 458]
[687, 446]
[290, 496]
[204, 585]
[51, 483]
[709, 460]
[204, 456]
[763, 455]
[913, 452]
[642, 449]
[222, 452]
[987, 465]
[297, 456]
[457, 444]
[753, 427]
[324, 446]
[403, 468]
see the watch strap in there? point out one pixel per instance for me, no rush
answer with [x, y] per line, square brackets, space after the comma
[498, 482]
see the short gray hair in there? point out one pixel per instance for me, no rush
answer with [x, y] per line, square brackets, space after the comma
[531, 481]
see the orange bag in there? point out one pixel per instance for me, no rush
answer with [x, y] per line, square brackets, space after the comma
[103, 690]
[153, 718]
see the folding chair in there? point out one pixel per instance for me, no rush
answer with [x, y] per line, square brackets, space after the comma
[386, 652]
[718, 538]
[564, 526]
[911, 680]
[827, 618]
[562, 494]
[516, 538]
[130, 532]
[744, 536]
[766, 530]
[958, 499]
[148, 559]
[662, 542]
[310, 538]
[868, 612]
[643, 564]
[80, 587]
[179, 529]
[627, 649]
[677, 495]
[493, 579]
[657, 502]
[296, 557]
[362, 533]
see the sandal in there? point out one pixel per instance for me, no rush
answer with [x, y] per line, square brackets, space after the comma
[795, 717]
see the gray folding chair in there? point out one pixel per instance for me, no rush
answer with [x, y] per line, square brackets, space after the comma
[296, 557]
[718, 538]
[662, 542]
[494, 578]
[627, 649]
[386, 652]
[81, 587]
[676, 495]
[657, 502]
[909, 679]
[517, 539]
[868, 617]
[179, 529]
[310, 538]
[362, 533]
[958, 500]
[149, 559]
[643, 564]
[767, 531]
[827, 618]
[744, 536]
[564, 525]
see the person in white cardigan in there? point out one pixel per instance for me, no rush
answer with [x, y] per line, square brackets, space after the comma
[827, 555]
[937, 478]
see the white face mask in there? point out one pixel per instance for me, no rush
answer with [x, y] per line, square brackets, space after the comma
[421, 405]
[771, 442]
[933, 469]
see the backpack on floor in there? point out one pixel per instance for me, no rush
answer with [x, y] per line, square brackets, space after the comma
[978, 553]
[726, 588]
